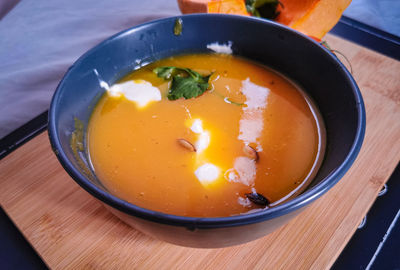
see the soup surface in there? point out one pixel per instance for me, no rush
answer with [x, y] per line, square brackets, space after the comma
[253, 132]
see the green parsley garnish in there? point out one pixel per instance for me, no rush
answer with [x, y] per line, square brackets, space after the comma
[178, 27]
[186, 83]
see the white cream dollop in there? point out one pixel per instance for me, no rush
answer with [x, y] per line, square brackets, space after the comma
[244, 171]
[221, 48]
[139, 91]
[204, 136]
[251, 122]
[250, 128]
[197, 126]
[207, 173]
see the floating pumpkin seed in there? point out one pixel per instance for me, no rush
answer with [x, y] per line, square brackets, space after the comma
[257, 198]
[187, 145]
[250, 152]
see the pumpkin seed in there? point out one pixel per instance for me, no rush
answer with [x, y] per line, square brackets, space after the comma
[250, 152]
[187, 145]
[257, 198]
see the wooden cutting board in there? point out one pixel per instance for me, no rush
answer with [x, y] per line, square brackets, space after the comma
[71, 230]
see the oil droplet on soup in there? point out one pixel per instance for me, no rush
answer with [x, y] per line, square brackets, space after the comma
[252, 131]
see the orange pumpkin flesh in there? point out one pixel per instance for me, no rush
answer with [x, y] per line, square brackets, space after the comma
[320, 18]
[311, 17]
[227, 6]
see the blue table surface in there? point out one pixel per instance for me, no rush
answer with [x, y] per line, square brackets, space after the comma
[375, 245]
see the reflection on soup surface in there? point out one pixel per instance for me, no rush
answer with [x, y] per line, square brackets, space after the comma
[250, 141]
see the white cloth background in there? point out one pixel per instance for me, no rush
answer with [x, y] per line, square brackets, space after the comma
[40, 39]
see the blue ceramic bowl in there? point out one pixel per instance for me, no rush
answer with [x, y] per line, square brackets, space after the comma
[300, 58]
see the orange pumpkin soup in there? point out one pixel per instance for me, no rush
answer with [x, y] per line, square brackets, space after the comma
[252, 140]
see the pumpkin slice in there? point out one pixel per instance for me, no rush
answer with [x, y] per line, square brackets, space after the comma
[227, 6]
[209, 6]
[312, 17]
[193, 6]
[320, 18]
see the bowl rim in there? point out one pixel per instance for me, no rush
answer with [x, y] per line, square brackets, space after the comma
[210, 222]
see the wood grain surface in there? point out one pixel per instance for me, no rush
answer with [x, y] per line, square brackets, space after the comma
[71, 230]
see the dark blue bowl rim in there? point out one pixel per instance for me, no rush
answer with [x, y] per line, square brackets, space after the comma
[215, 222]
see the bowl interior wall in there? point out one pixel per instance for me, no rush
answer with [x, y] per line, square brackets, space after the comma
[298, 58]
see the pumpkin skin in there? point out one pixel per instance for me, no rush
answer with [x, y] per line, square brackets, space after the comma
[311, 17]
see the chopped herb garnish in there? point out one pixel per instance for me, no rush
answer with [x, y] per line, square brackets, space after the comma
[228, 100]
[186, 83]
[263, 8]
[178, 27]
